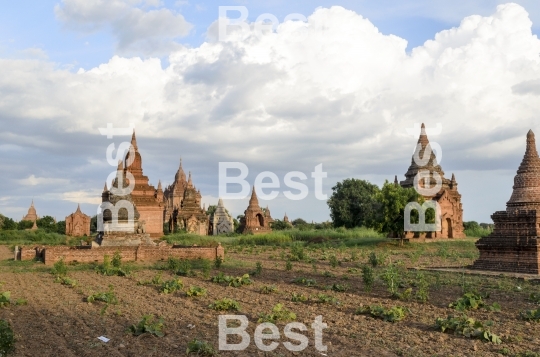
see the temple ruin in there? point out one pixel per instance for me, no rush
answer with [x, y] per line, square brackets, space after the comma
[221, 221]
[256, 220]
[78, 224]
[31, 215]
[447, 197]
[514, 245]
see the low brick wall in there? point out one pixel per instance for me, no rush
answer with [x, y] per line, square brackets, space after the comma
[89, 254]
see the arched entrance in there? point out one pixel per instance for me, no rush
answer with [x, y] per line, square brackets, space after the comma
[449, 228]
[260, 220]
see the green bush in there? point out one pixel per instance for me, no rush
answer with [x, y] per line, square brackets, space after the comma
[368, 277]
[468, 327]
[59, 268]
[531, 315]
[279, 313]
[64, 280]
[268, 289]
[295, 297]
[195, 291]
[148, 325]
[170, 286]
[225, 304]
[7, 338]
[201, 348]
[305, 281]
[112, 268]
[393, 314]
[473, 301]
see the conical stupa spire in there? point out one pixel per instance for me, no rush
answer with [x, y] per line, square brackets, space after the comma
[254, 201]
[159, 185]
[134, 140]
[220, 202]
[526, 193]
[396, 180]
[190, 182]
[105, 187]
[78, 207]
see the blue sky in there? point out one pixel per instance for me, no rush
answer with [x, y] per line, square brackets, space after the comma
[339, 91]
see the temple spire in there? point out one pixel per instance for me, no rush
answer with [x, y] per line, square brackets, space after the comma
[105, 187]
[396, 181]
[134, 140]
[159, 186]
[254, 201]
[190, 182]
[78, 207]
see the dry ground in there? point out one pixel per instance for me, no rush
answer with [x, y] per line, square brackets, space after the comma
[58, 322]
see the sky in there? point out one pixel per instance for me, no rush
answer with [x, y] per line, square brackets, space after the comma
[343, 88]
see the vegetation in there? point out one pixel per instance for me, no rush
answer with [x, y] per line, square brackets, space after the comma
[64, 280]
[468, 327]
[232, 281]
[170, 286]
[531, 315]
[269, 289]
[148, 325]
[473, 301]
[225, 304]
[279, 313]
[112, 267]
[393, 314]
[7, 338]
[368, 277]
[59, 268]
[201, 348]
[195, 291]
[295, 297]
[305, 281]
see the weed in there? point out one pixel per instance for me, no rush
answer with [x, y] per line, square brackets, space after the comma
[156, 280]
[391, 278]
[297, 253]
[225, 304]
[368, 277]
[422, 294]
[59, 268]
[334, 262]
[531, 315]
[170, 286]
[340, 287]
[326, 299]
[195, 291]
[21, 302]
[7, 338]
[298, 297]
[473, 301]
[393, 314]
[148, 325]
[218, 262]
[232, 281]
[288, 265]
[108, 298]
[534, 298]
[201, 348]
[305, 281]
[5, 299]
[328, 274]
[268, 289]
[184, 268]
[64, 280]
[468, 327]
[278, 314]
[111, 268]
[258, 269]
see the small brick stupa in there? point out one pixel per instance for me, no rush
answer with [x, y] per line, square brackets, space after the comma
[255, 219]
[514, 245]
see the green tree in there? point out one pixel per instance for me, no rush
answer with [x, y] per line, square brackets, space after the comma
[93, 223]
[472, 225]
[61, 227]
[354, 203]
[393, 199]
[22, 225]
[279, 225]
[7, 223]
[47, 223]
[211, 209]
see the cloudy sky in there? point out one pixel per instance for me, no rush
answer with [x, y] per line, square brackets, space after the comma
[343, 89]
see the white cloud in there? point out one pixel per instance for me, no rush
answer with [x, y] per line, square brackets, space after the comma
[136, 29]
[90, 196]
[32, 180]
[332, 90]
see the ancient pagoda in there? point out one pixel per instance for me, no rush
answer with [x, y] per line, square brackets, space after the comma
[31, 215]
[514, 244]
[189, 215]
[78, 224]
[221, 221]
[147, 198]
[447, 197]
[256, 220]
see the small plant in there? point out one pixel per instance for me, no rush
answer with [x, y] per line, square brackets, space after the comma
[7, 338]
[111, 268]
[156, 280]
[195, 291]
[148, 325]
[422, 294]
[64, 280]
[299, 297]
[278, 314]
[184, 268]
[340, 287]
[116, 260]
[218, 262]
[240, 281]
[170, 286]
[473, 301]
[225, 304]
[531, 315]
[108, 297]
[468, 327]
[334, 262]
[269, 289]
[393, 314]
[534, 298]
[297, 253]
[288, 265]
[258, 269]
[328, 274]
[305, 281]
[59, 268]
[326, 299]
[368, 277]
[391, 278]
[220, 278]
[201, 348]
[21, 302]
[5, 299]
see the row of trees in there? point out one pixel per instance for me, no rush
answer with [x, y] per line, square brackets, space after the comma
[46, 223]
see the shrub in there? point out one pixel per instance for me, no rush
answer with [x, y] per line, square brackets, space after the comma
[232, 281]
[298, 297]
[108, 297]
[534, 298]
[258, 269]
[368, 277]
[201, 348]
[268, 289]
[305, 281]
[468, 327]
[326, 299]
[66, 281]
[156, 280]
[393, 314]
[225, 304]
[148, 325]
[218, 262]
[7, 338]
[195, 291]
[112, 268]
[422, 294]
[473, 301]
[334, 262]
[531, 315]
[170, 286]
[5, 298]
[391, 278]
[288, 265]
[297, 253]
[59, 268]
[184, 268]
[339, 287]
[278, 314]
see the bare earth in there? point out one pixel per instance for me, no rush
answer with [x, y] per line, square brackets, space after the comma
[58, 322]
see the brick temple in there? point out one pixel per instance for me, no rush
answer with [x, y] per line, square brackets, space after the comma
[256, 220]
[78, 224]
[448, 196]
[514, 245]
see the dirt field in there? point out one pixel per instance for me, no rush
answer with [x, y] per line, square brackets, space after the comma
[58, 322]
